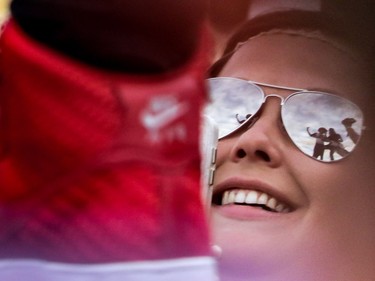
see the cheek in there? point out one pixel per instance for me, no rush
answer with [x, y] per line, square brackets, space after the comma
[339, 185]
[223, 151]
[342, 198]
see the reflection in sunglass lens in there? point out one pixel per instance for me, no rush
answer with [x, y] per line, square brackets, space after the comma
[233, 101]
[321, 125]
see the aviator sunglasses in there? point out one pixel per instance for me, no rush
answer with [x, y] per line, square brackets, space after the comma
[323, 126]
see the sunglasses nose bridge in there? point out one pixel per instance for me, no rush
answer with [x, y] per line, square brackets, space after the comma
[282, 99]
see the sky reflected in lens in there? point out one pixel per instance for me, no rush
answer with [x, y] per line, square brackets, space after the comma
[314, 121]
[232, 102]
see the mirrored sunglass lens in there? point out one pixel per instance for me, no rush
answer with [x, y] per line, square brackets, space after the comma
[323, 126]
[233, 101]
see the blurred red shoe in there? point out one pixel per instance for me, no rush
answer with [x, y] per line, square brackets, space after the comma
[99, 167]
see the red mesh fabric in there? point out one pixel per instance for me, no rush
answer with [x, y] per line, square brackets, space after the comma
[84, 176]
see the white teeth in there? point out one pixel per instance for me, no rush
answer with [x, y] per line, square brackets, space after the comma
[280, 207]
[225, 199]
[253, 197]
[240, 197]
[263, 198]
[231, 197]
[271, 203]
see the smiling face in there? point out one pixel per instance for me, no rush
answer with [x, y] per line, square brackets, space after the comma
[319, 223]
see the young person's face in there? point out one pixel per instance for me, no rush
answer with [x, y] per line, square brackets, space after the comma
[329, 232]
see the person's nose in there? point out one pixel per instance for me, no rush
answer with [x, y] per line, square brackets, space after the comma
[261, 141]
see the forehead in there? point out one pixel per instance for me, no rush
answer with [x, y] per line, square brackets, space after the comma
[298, 61]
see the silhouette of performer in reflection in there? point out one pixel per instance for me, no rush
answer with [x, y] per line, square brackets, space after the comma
[321, 137]
[335, 144]
[353, 135]
[243, 120]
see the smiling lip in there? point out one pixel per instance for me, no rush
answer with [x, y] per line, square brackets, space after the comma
[249, 198]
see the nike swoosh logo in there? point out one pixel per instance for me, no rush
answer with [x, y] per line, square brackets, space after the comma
[163, 118]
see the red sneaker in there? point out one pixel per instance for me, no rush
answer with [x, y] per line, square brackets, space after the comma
[98, 167]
